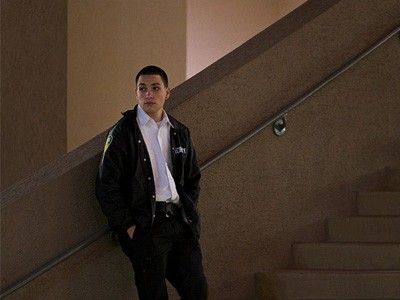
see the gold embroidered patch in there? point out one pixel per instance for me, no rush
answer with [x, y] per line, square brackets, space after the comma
[108, 143]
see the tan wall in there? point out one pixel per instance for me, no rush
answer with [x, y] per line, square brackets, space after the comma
[108, 42]
[215, 28]
[33, 86]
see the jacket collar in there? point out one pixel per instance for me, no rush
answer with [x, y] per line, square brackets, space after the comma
[132, 114]
[143, 118]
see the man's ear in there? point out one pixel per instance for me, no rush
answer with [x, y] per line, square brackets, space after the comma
[136, 90]
[168, 90]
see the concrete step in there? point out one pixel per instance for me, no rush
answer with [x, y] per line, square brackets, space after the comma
[379, 203]
[364, 229]
[303, 284]
[347, 256]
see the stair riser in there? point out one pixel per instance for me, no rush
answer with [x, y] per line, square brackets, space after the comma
[394, 180]
[328, 286]
[379, 229]
[346, 257]
[379, 203]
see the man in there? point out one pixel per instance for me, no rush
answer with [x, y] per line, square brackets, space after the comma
[148, 188]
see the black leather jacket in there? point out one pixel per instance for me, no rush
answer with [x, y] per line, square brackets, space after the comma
[125, 187]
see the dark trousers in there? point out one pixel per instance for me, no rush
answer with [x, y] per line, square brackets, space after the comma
[171, 252]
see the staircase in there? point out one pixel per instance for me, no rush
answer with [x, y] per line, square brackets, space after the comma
[359, 260]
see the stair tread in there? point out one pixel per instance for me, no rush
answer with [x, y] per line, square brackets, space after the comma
[359, 217]
[328, 284]
[380, 192]
[366, 244]
[331, 272]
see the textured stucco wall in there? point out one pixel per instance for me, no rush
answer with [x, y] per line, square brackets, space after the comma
[33, 85]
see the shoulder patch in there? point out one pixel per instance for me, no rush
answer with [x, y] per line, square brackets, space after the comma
[108, 142]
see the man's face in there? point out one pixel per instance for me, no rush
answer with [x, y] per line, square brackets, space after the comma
[151, 95]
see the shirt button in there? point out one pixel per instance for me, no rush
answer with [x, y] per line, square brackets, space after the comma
[149, 178]
[145, 159]
[154, 196]
[139, 141]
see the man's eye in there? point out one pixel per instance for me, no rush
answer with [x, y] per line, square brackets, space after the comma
[156, 88]
[142, 89]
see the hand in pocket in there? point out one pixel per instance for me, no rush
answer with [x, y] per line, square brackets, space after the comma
[131, 231]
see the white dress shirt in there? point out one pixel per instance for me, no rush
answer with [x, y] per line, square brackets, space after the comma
[157, 138]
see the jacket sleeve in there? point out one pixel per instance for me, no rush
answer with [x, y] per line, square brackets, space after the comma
[109, 182]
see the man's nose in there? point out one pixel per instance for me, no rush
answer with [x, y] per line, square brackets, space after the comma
[149, 94]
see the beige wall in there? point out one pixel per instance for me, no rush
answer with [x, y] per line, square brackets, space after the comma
[33, 86]
[108, 42]
[216, 27]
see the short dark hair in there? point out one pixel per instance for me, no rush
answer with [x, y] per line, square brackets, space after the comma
[153, 70]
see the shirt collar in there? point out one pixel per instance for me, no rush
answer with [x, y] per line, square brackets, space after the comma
[144, 118]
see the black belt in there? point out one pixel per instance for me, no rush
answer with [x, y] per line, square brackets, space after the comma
[167, 208]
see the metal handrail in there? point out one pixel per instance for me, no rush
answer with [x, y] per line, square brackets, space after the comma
[300, 100]
[105, 229]
[55, 261]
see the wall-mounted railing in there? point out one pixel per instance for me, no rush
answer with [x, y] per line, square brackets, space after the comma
[301, 99]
